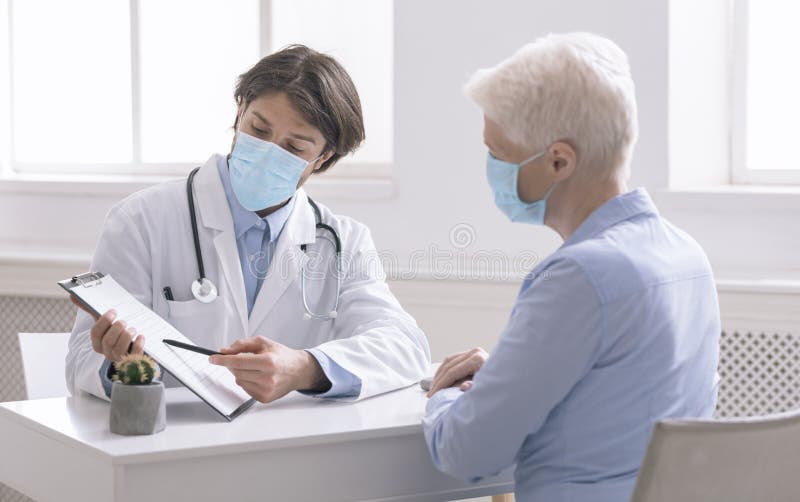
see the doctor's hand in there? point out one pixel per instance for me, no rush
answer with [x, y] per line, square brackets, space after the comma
[268, 370]
[458, 369]
[113, 339]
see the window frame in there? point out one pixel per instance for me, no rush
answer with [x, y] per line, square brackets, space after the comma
[11, 168]
[741, 173]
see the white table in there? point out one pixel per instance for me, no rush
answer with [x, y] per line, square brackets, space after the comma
[297, 448]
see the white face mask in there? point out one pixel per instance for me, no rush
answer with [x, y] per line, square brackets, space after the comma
[504, 180]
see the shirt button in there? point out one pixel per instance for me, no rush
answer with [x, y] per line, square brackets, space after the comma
[260, 223]
[252, 257]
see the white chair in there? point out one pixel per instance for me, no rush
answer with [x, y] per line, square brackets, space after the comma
[751, 459]
[43, 357]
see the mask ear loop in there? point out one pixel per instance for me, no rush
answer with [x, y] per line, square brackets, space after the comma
[549, 190]
[240, 120]
[238, 127]
[532, 158]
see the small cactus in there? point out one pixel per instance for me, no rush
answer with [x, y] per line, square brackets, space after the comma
[136, 369]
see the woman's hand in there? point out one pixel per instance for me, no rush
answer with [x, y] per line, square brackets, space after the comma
[268, 370]
[458, 369]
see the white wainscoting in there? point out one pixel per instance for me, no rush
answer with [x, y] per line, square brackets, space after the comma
[461, 314]
[457, 315]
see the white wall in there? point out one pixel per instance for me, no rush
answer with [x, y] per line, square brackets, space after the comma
[438, 177]
[439, 168]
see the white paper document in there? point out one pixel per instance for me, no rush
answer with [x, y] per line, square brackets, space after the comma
[214, 384]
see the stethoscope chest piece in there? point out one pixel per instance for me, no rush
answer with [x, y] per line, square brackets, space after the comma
[204, 290]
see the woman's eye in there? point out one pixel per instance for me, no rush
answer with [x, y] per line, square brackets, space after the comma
[295, 149]
[259, 131]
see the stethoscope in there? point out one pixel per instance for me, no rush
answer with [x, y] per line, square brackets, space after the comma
[206, 292]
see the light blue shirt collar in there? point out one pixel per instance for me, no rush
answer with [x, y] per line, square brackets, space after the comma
[613, 211]
[244, 220]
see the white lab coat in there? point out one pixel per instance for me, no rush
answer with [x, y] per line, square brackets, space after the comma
[147, 244]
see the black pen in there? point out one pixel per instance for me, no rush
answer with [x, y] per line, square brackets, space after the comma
[168, 294]
[193, 348]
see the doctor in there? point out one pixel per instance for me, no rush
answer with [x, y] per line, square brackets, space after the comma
[257, 272]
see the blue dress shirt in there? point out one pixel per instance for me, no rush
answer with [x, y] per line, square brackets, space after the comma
[617, 329]
[256, 239]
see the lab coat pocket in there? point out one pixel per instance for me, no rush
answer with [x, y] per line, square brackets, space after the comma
[203, 323]
[189, 308]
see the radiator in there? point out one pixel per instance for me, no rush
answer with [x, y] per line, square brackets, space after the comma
[25, 314]
[758, 373]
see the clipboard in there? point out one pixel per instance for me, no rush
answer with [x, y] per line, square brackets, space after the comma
[215, 385]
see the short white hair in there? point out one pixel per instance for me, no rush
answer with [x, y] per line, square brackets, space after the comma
[575, 87]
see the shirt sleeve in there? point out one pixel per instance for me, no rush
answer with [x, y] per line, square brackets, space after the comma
[343, 383]
[104, 378]
[552, 339]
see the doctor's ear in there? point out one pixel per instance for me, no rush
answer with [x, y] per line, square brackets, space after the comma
[323, 159]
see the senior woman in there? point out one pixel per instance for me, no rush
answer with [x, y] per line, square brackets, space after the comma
[616, 329]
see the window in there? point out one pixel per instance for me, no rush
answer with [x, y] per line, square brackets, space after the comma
[363, 41]
[132, 86]
[766, 102]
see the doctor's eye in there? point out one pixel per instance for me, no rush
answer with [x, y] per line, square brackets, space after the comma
[295, 149]
[258, 131]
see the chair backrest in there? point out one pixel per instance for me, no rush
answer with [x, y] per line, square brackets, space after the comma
[43, 357]
[722, 460]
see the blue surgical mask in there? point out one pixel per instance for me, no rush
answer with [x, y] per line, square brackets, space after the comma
[262, 173]
[503, 179]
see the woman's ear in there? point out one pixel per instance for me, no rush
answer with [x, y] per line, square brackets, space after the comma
[563, 158]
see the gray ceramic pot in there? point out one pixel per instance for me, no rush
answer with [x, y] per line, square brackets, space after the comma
[138, 409]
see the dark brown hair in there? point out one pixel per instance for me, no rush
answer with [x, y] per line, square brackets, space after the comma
[318, 87]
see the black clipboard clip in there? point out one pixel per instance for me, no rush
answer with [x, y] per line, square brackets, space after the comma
[88, 279]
